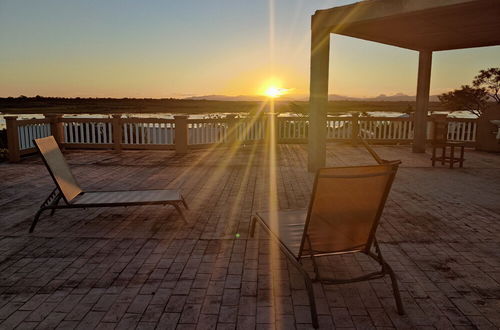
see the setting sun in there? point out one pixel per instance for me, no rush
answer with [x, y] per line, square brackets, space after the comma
[271, 87]
[273, 91]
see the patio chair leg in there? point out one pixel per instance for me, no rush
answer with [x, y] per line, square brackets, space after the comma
[386, 268]
[313, 259]
[310, 293]
[395, 289]
[316, 269]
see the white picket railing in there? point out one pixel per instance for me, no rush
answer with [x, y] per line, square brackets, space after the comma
[250, 129]
[292, 128]
[207, 131]
[98, 131]
[463, 131]
[338, 128]
[386, 129]
[28, 132]
[137, 133]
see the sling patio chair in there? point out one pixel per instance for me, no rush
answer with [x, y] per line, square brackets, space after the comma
[343, 215]
[73, 196]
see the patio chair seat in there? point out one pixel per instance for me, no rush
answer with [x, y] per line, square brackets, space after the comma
[127, 197]
[288, 227]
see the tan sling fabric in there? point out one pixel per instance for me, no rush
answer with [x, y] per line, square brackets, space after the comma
[58, 167]
[345, 208]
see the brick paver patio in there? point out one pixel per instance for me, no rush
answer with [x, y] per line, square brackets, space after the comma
[142, 267]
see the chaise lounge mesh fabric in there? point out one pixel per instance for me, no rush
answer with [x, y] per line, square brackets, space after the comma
[73, 196]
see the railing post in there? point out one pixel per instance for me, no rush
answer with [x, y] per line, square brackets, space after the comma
[56, 128]
[181, 134]
[117, 124]
[355, 128]
[232, 127]
[13, 139]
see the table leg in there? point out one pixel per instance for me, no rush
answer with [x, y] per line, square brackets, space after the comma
[461, 156]
[452, 156]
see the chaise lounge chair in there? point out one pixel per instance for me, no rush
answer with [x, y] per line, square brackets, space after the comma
[343, 215]
[73, 196]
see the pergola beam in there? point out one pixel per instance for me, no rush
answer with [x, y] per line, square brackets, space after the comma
[336, 18]
[417, 25]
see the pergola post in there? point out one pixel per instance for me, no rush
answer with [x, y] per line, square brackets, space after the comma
[318, 96]
[423, 87]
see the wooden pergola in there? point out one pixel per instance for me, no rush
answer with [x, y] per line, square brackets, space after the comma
[421, 25]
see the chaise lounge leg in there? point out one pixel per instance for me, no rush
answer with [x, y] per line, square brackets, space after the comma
[253, 220]
[178, 208]
[35, 220]
[56, 201]
[184, 203]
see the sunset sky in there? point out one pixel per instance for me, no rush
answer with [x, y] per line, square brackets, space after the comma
[173, 48]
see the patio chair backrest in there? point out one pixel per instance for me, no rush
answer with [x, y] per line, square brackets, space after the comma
[345, 208]
[58, 167]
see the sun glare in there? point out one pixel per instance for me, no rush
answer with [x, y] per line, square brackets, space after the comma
[273, 91]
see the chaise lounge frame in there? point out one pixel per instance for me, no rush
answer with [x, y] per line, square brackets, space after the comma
[70, 193]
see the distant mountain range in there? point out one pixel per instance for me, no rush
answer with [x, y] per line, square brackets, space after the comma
[399, 97]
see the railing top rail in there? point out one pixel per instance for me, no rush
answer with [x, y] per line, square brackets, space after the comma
[147, 120]
[211, 120]
[338, 118]
[384, 119]
[21, 122]
[293, 118]
[86, 120]
[464, 120]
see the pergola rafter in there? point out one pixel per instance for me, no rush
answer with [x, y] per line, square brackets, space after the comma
[424, 26]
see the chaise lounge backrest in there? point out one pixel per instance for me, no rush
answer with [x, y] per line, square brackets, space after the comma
[345, 208]
[58, 167]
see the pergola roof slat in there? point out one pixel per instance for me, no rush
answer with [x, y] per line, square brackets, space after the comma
[417, 25]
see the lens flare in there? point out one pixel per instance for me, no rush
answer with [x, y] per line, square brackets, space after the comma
[273, 91]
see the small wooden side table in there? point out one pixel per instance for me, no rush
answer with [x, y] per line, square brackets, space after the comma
[448, 154]
[440, 141]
